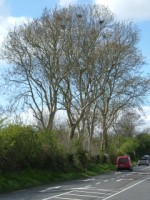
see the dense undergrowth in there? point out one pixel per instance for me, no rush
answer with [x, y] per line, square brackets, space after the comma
[30, 158]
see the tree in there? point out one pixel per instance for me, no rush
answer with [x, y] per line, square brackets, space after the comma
[123, 85]
[144, 144]
[104, 64]
[73, 59]
[3, 122]
[34, 52]
[128, 123]
[130, 147]
[83, 30]
[52, 61]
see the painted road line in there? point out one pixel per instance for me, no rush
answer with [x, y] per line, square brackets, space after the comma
[112, 179]
[105, 190]
[90, 179]
[90, 192]
[67, 198]
[117, 173]
[82, 188]
[57, 196]
[98, 183]
[125, 179]
[82, 195]
[127, 188]
[51, 188]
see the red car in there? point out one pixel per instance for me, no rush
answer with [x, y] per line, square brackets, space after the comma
[124, 163]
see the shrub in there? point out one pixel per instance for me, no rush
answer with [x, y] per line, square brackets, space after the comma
[19, 148]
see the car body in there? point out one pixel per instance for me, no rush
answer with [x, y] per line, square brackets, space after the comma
[124, 163]
[145, 160]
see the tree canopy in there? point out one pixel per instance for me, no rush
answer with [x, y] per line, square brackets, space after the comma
[80, 59]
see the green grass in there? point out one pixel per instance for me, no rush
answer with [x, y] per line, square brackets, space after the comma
[31, 177]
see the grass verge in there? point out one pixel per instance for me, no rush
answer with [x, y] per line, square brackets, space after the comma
[32, 177]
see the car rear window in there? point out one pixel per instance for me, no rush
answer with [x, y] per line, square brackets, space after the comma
[145, 157]
[123, 160]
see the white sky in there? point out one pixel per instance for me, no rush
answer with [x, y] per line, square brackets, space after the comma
[128, 9]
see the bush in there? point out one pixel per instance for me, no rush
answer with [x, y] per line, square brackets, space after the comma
[19, 148]
[129, 147]
[81, 157]
[143, 147]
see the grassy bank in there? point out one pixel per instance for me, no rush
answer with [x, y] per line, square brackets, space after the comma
[31, 177]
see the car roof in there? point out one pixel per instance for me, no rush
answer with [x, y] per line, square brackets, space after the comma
[123, 156]
[145, 156]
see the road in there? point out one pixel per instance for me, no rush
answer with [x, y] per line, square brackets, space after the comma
[112, 186]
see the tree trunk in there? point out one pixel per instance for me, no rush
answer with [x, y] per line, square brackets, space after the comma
[104, 144]
[105, 137]
[72, 131]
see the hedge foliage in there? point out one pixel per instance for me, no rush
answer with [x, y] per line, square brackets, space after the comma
[22, 147]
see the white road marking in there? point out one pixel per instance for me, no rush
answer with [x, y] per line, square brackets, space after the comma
[117, 173]
[125, 179]
[66, 193]
[51, 188]
[98, 189]
[58, 195]
[146, 168]
[126, 188]
[98, 183]
[90, 192]
[106, 190]
[84, 195]
[90, 179]
[123, 176]
[82, 188]
[67, 198]
[88, 186]
[112, 179]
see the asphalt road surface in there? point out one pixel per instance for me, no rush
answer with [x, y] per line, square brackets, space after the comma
[122, 185]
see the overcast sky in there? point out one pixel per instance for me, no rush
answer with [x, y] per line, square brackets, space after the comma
[15, 11]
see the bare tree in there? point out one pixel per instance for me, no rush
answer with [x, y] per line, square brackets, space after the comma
[84, 28]
[74, 58]
[128, 123]
[105, 67]
[34, 51]
[92, 123]
[123, 85]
